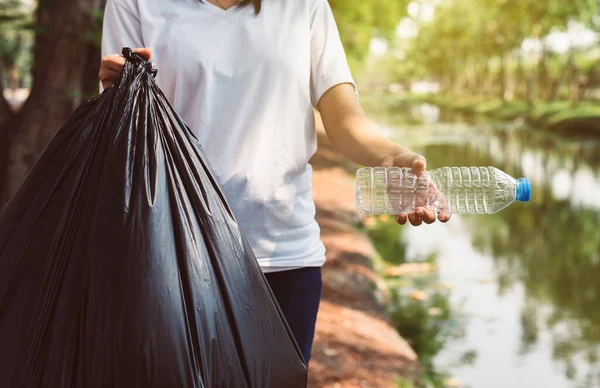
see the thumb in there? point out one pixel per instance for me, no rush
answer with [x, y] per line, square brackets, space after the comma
[412, 160]
[144, 52]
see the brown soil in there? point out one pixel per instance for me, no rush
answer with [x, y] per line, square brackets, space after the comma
[355, 345]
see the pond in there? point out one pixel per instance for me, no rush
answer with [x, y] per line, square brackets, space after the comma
[525, 281]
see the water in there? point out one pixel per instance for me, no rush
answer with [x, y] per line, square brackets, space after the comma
[456, 190]
[526, 280]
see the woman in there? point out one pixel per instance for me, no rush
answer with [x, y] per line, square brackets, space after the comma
[245, 78]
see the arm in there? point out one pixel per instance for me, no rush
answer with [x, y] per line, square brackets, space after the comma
[361, 140]
[333, 92]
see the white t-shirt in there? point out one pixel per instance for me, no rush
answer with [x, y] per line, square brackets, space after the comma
[245, 84]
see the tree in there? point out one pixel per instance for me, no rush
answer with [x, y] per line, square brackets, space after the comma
[474, 46]
[63, 55]
[360, 21]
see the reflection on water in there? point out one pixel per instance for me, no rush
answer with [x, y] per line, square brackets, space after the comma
[527, 278]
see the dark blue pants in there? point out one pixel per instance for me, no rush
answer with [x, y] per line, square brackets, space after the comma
[298, 292]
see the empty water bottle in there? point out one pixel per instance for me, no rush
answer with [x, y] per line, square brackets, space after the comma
[459, 190]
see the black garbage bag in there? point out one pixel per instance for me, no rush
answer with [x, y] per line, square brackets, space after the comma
[121, 264]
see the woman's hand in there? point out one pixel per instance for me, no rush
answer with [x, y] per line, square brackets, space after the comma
[421, 213]
[112, 65]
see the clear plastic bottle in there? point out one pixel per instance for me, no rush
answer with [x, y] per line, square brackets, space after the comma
[464, 190]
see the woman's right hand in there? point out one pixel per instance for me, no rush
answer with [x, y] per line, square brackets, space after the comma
[112, 65]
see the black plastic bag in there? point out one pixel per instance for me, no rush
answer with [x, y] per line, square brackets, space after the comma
[121, 264]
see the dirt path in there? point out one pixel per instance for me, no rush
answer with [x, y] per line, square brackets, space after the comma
[355, 346]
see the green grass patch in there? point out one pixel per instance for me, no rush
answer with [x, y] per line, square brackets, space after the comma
[587, 111]
[488, 106]
[541, 111]
[385, 235]
[544, 114]
[511, 110]
[405, 383]
[425, 322]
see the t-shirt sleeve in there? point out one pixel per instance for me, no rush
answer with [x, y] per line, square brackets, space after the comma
[121, 28]
[329, 66]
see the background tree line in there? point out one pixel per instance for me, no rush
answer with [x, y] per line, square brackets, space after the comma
[478, 47]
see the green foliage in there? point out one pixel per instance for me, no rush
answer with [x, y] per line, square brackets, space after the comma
[360, 21]
[405, 383]
[473, 47]
[425, 324]
[15, 38]
[387, 239]
[10, 12]
[564, 117]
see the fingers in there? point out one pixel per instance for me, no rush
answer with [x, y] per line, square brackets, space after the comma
[422, 215]
[411, 217]
[112, 65]
[415, 219]
[113, 62]
[426, 215]
[444, 216]
[401, 219]
[107, 77]
[110, 68]
[444, 212]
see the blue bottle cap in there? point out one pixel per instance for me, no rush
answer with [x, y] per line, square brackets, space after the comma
[523, 190]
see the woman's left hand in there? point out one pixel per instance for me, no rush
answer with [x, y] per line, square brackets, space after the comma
[421, 214]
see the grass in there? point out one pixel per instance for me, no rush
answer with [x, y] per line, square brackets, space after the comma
[405, 383]
[541, 112]
[579, 112]
[584, 117]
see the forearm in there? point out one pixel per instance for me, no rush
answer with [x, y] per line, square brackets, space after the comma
[361, 140]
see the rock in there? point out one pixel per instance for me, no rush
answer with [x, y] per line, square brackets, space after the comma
[409, 269]
[419, 295]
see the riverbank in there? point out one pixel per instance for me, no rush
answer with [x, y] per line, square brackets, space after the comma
[562, 117]
[355, 343]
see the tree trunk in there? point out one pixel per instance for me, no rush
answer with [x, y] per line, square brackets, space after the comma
[520, 78]
[581, 82]
[60, 59]
[593, 80]
[490, 80]
[90, 85]
[543, 73]
[447, 83]
[502, 77]
[6, 114]
[573, 82]
[562, 76]
[512, 76]
[529, 86]
[471, 72]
